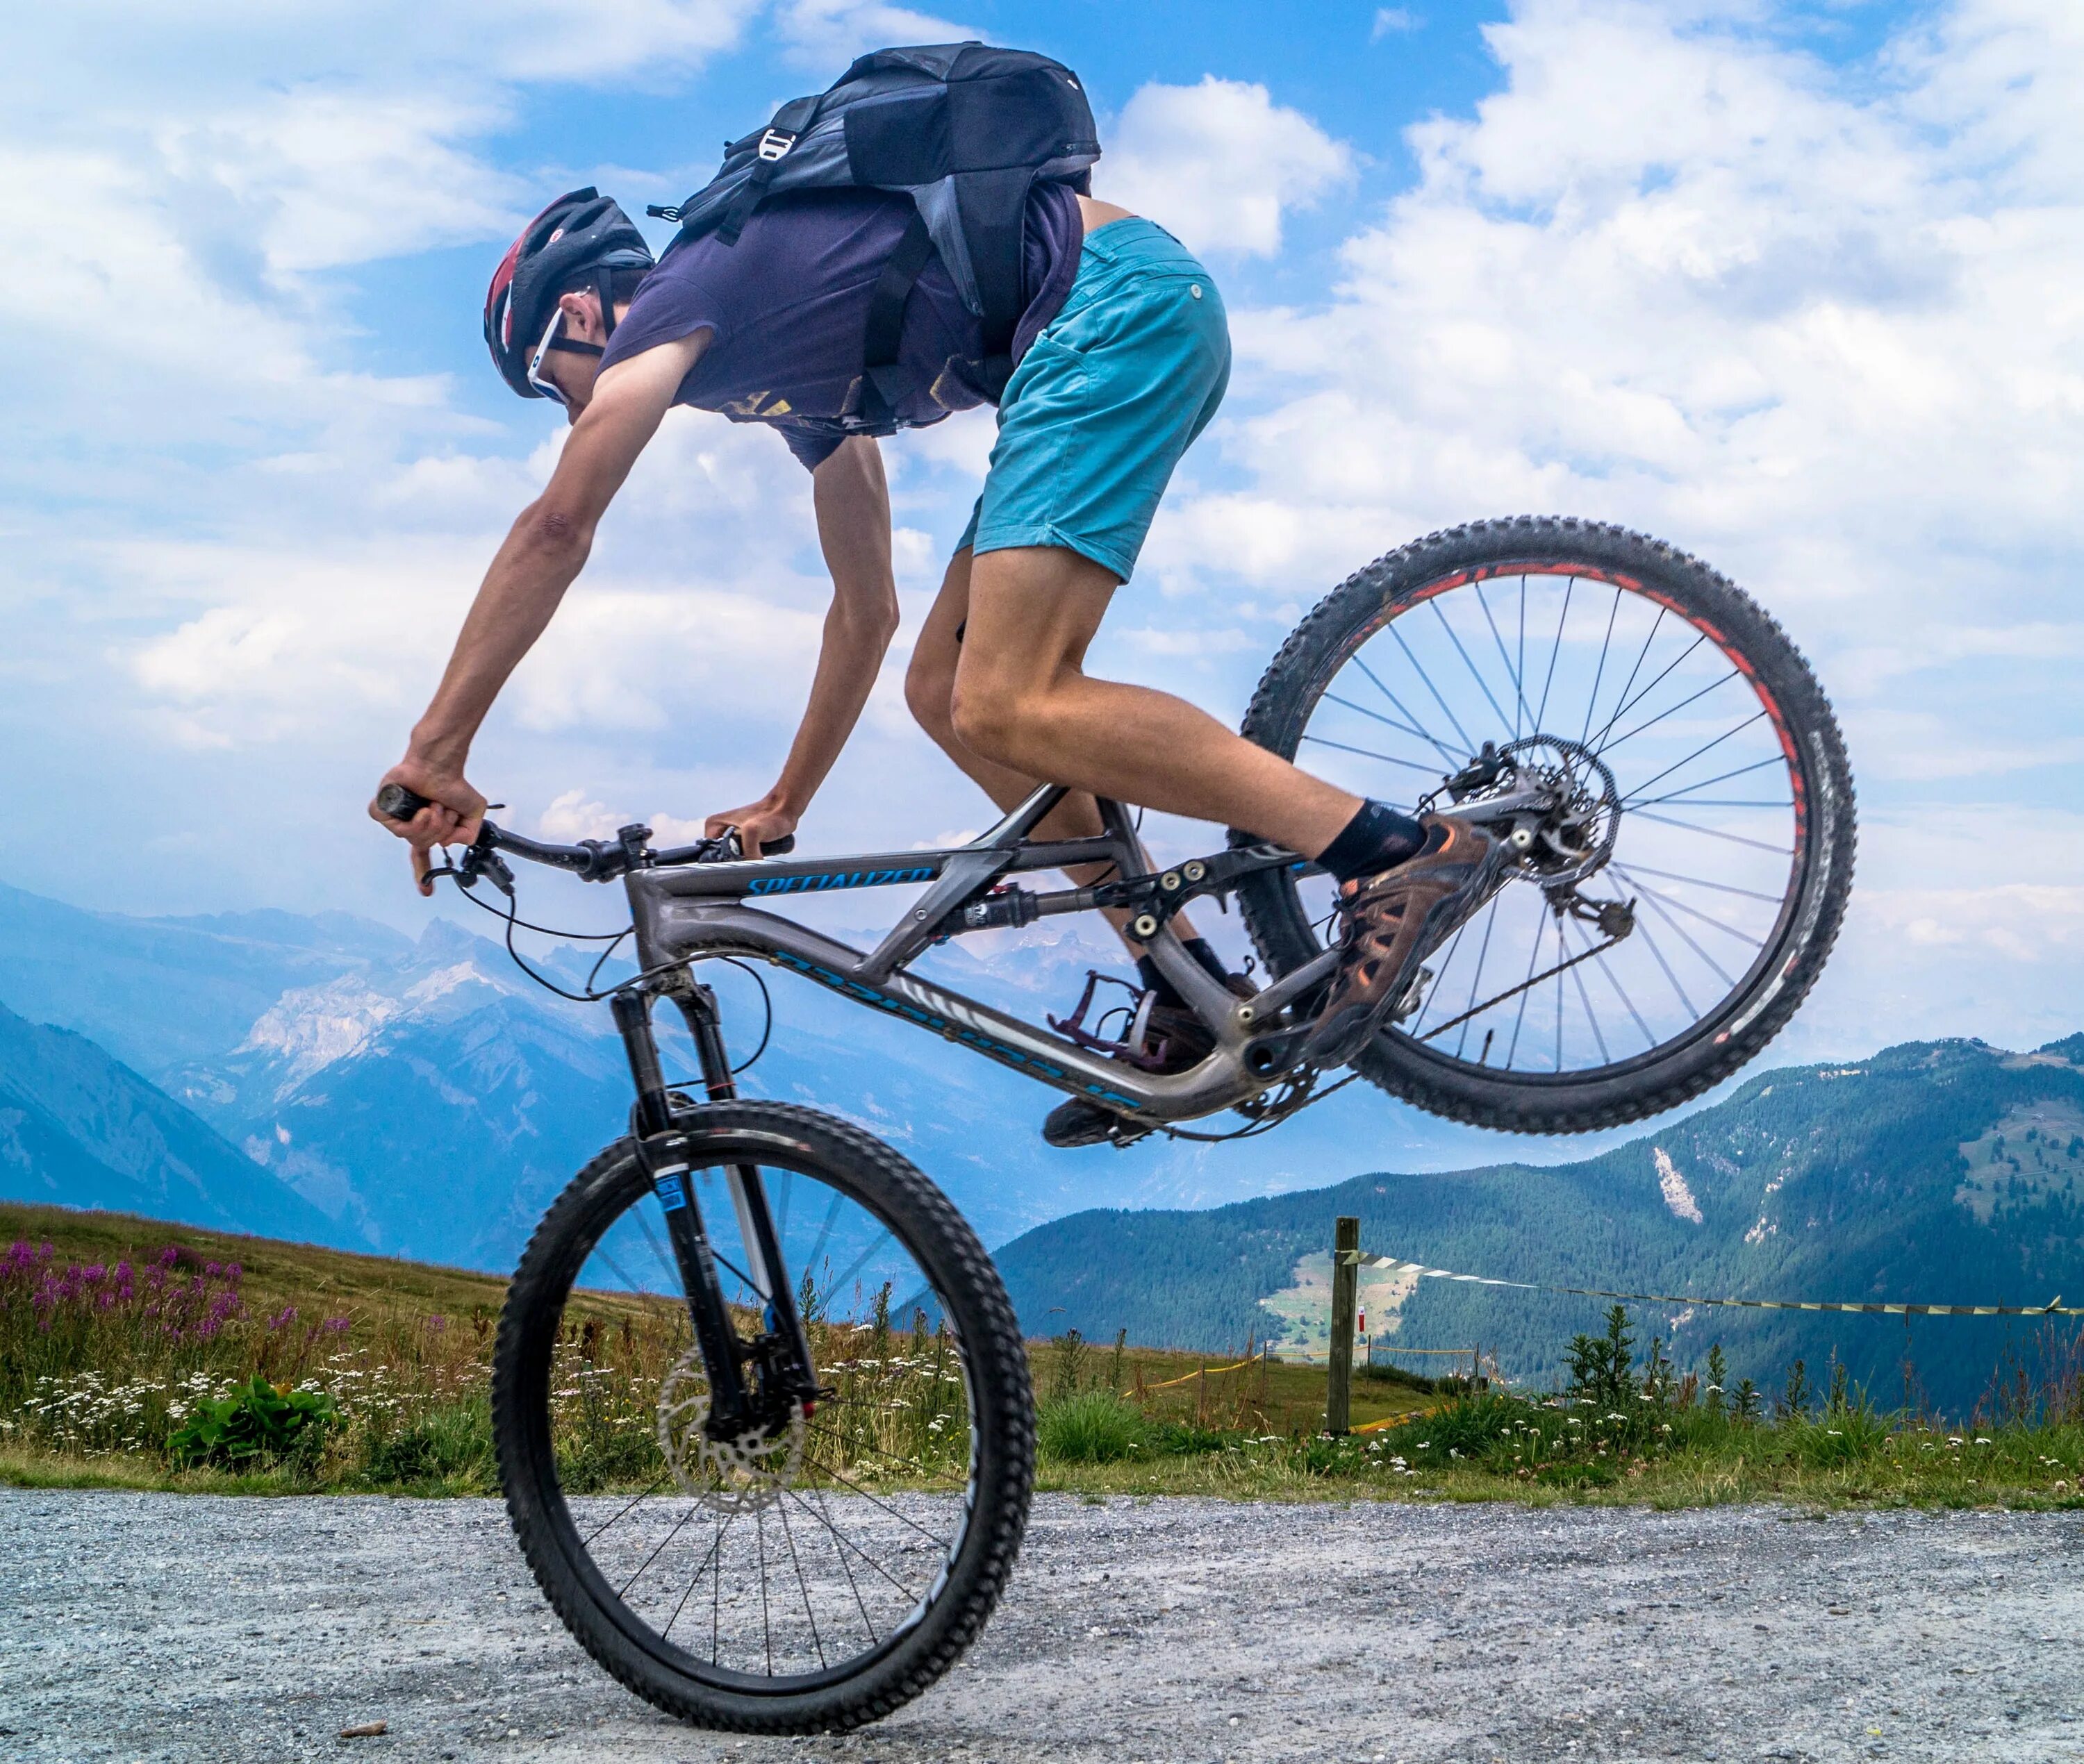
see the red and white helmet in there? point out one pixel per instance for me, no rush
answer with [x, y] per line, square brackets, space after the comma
[582, 232]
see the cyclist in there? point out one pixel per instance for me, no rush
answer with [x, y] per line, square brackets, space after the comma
[1120, 357]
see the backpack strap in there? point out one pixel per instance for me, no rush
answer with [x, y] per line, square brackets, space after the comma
[883, 381]
[790, 121]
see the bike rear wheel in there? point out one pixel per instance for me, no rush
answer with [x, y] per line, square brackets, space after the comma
[811, 1581]
[1706, 760]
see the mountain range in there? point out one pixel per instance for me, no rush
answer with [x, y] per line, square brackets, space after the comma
[1935, 1173]
[327, 1079]
[421, 1097]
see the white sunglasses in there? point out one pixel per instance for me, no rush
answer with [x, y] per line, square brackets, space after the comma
[549, 388]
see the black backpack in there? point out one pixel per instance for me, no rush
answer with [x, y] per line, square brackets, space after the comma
[963, 128]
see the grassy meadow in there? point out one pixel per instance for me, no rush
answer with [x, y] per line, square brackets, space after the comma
[130, 1350]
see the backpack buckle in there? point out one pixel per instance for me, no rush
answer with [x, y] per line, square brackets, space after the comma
[775, 143]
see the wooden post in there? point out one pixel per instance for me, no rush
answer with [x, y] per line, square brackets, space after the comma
[1345, 1286]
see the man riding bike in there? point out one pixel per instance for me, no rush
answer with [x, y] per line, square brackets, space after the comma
[1120, 358]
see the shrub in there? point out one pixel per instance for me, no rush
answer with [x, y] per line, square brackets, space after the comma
[1474, 1429]
[1092, 1427]
[450, 1444]
[257, 1420]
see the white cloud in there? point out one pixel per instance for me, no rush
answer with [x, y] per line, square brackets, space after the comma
[1218, 163]
[823, 35]
[1813, 326]
[1393, 21]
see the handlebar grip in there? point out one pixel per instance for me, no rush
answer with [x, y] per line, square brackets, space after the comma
[779, 848]
[397, 802]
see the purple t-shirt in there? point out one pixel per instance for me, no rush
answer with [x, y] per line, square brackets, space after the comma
[788, 307]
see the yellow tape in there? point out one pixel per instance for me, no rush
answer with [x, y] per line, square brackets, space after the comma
[1203, 1371]
[2054, 1308]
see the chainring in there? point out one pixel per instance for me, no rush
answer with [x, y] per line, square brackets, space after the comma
[737, 1475]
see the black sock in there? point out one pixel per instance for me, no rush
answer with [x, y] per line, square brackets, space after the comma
[1378, 838]
[1167, 992]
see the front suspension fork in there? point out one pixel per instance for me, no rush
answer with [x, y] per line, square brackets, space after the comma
[783, 1356]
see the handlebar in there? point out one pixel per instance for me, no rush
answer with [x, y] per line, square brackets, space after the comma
[591, 860]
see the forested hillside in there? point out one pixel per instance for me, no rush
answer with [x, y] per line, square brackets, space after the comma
[1937, 1173]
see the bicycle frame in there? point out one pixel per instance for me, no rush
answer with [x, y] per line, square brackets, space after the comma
[694, 910]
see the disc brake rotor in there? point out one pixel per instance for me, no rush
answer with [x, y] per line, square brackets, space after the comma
[1574, 836]
[728, 1476]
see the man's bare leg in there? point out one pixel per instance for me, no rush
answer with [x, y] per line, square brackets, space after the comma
[1023, 704]
[929, 691]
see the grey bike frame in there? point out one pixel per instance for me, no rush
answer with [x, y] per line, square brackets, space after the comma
[688, 911]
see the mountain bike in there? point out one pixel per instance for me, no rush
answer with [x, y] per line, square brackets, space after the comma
[820, 1475]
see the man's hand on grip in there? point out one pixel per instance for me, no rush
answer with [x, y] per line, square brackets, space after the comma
[453, 814]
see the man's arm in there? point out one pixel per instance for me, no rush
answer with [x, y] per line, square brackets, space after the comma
[539, 561]
[853, 504]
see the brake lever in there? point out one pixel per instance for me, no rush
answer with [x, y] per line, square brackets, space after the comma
[480, 859]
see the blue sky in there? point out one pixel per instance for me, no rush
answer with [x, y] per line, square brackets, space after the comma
[1792, 287]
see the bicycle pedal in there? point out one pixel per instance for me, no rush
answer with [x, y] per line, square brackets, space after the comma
[1413, 1000]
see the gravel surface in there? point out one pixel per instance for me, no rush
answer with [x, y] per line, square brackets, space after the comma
[180, 1627]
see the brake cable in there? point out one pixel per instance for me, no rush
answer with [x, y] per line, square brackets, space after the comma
[511, 920]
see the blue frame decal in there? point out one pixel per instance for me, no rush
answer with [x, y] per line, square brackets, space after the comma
[853, 879]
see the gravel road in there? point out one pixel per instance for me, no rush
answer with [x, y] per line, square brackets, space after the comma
[171, 1627]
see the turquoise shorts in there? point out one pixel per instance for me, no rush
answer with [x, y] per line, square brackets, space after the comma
[1110, 394]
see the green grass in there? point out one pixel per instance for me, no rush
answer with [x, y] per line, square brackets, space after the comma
[408, 1365]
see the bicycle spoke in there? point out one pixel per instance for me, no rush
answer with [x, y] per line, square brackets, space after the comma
[1367, 753]
[1559, 997]
[1657, 907]
[1584, 998]
[839, 1555]
[1641, 656]
[1481, 685]
[1690, 698]
[766, 1626]
[1632, 869]
[1713, 832]
[1696, 753]
[1673, 900]
[855, 1267]
[1607, 644]
[1614, 980]
[1519, 672]
[1476, 979]
[695, 1579]
[1387, 722]
[667, 1265]
[1650, 943]
[867, 1560]
[1446, 962]
[1446, 752]
[1627, 705]
[825, 1230]
[622, 1592]
[1512, 674]
[632, 1507]
[1723, 777]
[803, 1585]
[1533, 962]
[856, 1488]
[1555, 650]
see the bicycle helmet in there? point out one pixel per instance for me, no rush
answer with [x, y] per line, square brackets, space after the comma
[582, 232]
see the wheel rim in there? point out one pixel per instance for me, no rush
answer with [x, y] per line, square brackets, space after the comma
[1714, 839]
[806, 1585]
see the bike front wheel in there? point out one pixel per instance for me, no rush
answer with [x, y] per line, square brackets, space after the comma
[1665, 925]
[816, 1578]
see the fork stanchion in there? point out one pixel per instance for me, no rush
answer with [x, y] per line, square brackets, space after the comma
[1345, 1283]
